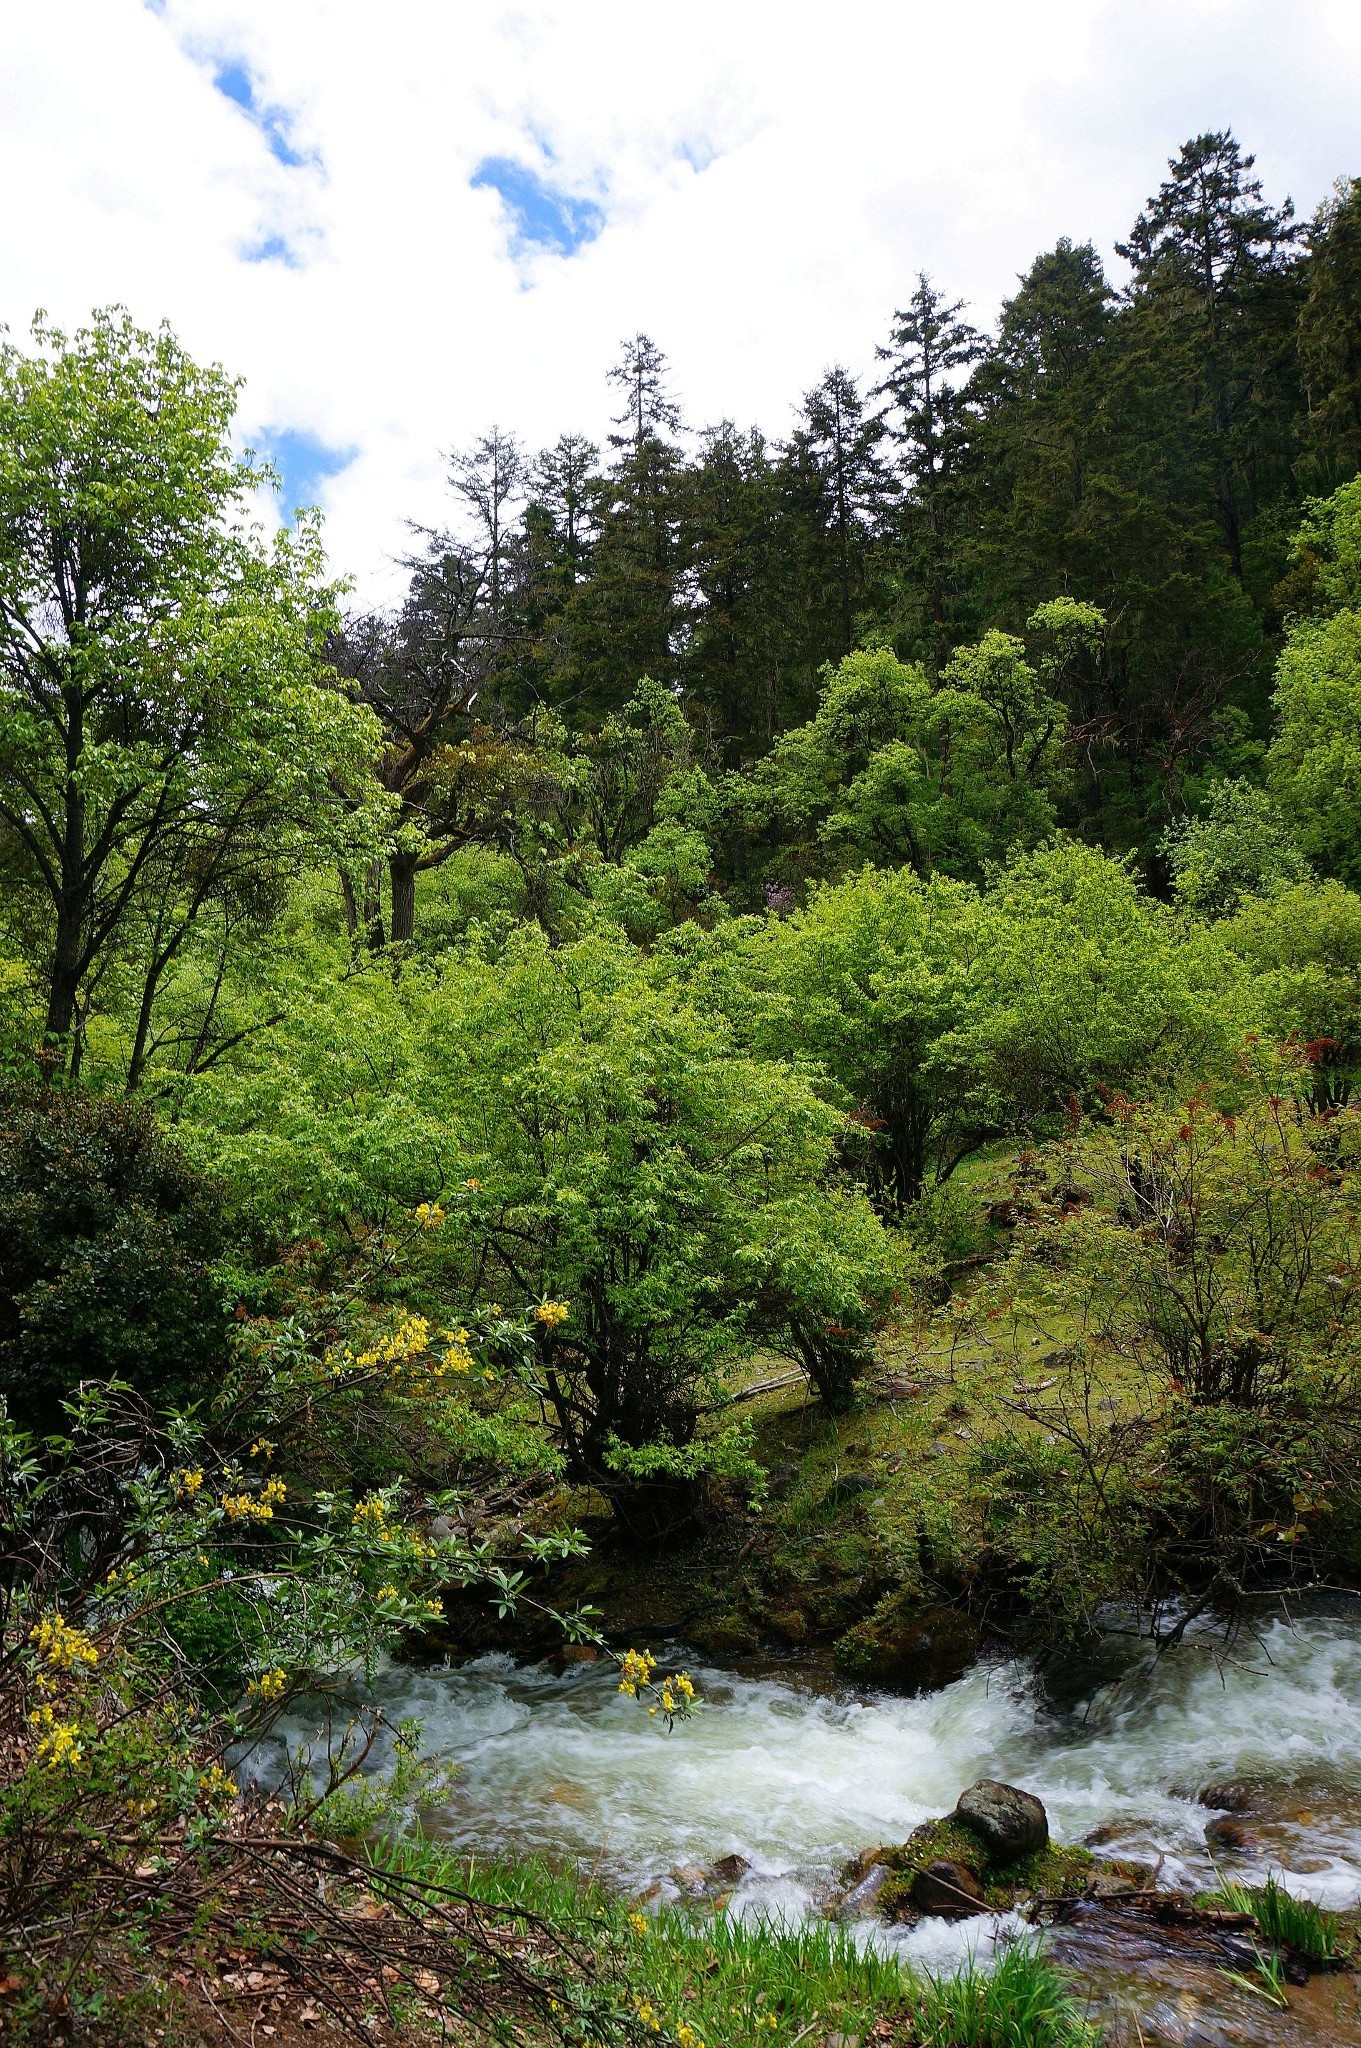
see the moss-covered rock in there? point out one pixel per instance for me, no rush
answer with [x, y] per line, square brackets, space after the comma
[909, 1646]
[1052, 1872]
[731, 1633]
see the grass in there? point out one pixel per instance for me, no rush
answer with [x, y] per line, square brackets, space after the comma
[1285, 1921]
[729, 1985]
[717, 1982]
[1022, 2003]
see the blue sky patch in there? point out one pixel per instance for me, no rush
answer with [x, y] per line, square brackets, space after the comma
[272, 249]
[304, 462]
[234, 82]
[542, 217]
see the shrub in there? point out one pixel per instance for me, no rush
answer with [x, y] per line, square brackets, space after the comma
[106, 1234]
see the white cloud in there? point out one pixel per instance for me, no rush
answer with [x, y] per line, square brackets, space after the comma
[772, 177]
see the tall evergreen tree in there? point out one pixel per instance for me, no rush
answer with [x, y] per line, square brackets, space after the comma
[739, 644]
[837, 449]
[488, 480]
[626, 619]
[930, 352]
[1330, 334]
[1211, 263]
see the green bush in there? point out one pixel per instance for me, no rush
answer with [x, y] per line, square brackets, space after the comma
[106, 1238]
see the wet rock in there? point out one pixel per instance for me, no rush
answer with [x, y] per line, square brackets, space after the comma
[576, 1653]
[947, 1890]
[1229, 1797]
[1228, 1832]
[691, 1880]
[908, 1645]
[861, 1865]
[1009, 1822]
[730, 1870]
[864, 1899]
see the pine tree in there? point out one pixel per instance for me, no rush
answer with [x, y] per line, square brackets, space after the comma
[488, 480]
[837, 448]
[1211, 263]
[1330, 334]
[931, 350]
[625, 620]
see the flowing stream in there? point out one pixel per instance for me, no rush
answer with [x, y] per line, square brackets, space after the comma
[795, 1774]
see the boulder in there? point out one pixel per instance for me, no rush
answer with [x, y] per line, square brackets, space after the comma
[948, 1890]
[730, 1870]
[691, 1880]
[1010, 1823]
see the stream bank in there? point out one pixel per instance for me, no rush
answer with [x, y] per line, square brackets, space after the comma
[1212, 1761]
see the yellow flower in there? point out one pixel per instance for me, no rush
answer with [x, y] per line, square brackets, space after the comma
[216, 1785]
[243, 1507]
[262, 1448]
[635, 1671]
[552, 1313]
[186, 1484]
[638, 1922]
[60, 1745]
[473, 1186]
[270, 1685]
[430, 1215]
[649, 2015]
[60, 1644]
[371, 1515]
[687, 2037]
[388, 1593]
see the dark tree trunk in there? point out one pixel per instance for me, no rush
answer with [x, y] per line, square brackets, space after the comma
[402, 869]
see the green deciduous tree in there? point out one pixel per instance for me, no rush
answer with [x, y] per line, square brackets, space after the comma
[1240, 846]
[675, 1192]
[894, 770]
[162, 712]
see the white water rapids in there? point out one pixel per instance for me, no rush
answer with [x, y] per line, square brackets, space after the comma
[796, 1776]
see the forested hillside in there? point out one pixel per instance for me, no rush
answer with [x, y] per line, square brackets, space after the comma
[774, 1048]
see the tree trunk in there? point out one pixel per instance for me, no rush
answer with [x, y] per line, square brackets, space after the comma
[64, 985]
[373, 906]
[402, 869]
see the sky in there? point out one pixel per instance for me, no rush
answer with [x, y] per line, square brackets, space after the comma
[403, 223]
